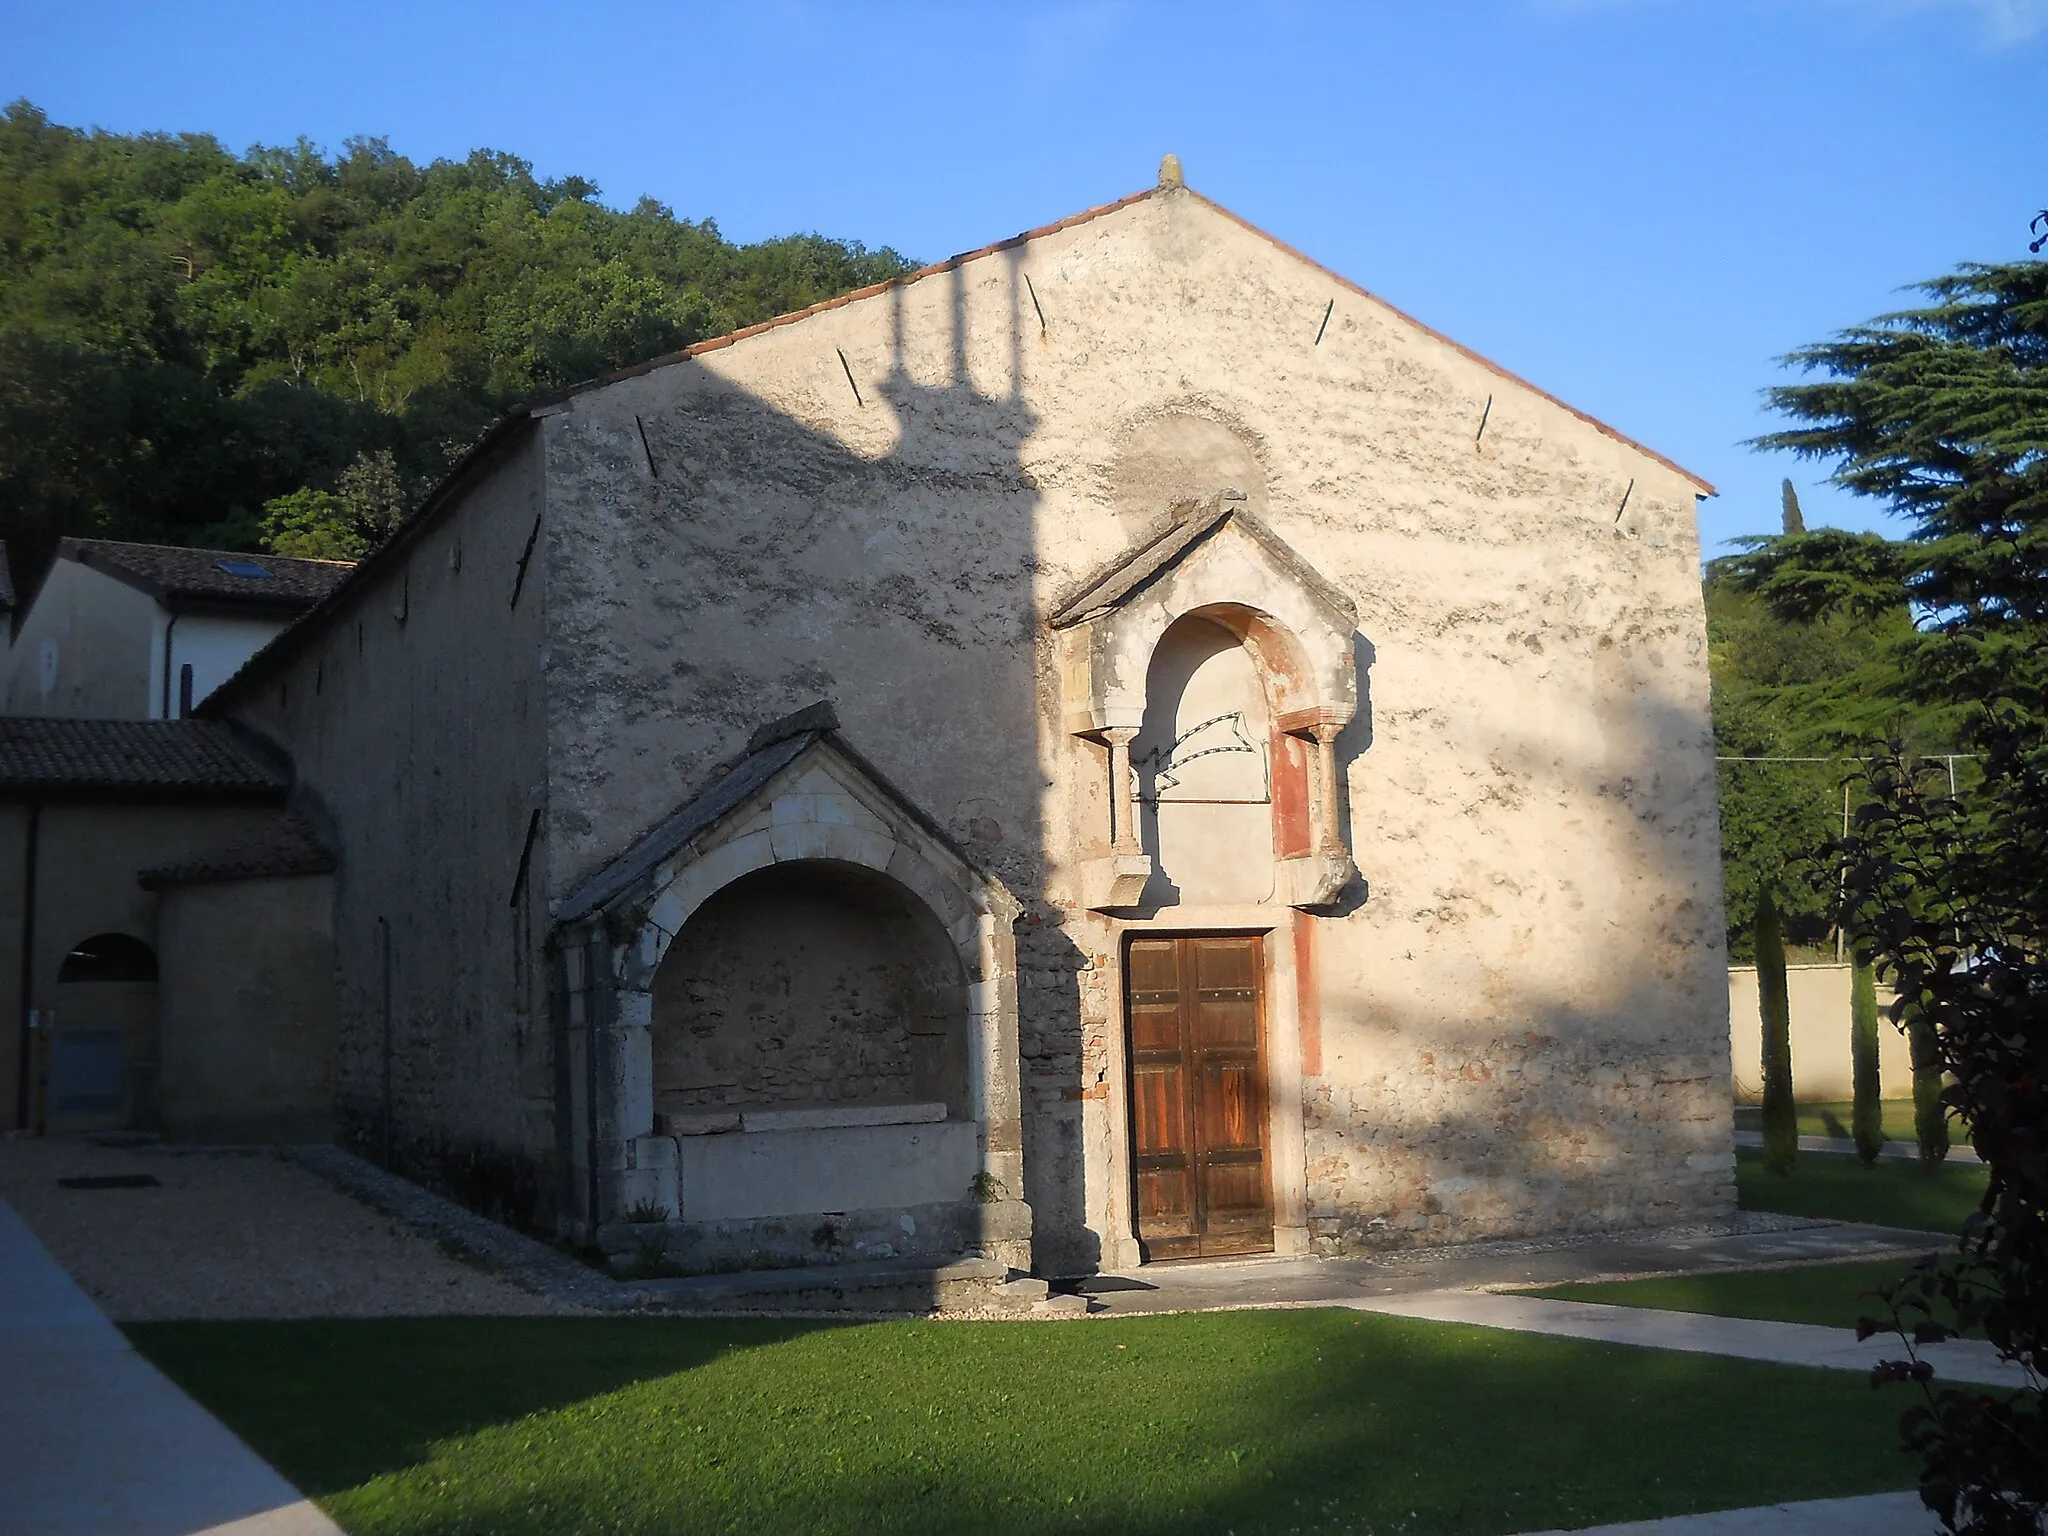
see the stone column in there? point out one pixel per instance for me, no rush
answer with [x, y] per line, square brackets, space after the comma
[1329, 836]
[1123, 836]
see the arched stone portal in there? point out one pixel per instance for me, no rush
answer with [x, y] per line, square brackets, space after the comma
[804, 984]
[828, 1069]
[1206, 675]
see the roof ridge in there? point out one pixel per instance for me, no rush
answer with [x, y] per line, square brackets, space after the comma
[75, 542]
[839, 301]
[1455, 345]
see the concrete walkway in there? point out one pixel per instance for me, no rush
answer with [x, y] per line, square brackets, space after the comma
[1751, 1242]
[1961, 1152]
[94, 1439]
[1738, 1338]
[1877, 1514]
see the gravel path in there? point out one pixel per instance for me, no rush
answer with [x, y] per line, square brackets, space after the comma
[241, 1234]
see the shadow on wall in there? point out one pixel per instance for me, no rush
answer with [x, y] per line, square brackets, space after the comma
[1539, 1023]
[747, 562]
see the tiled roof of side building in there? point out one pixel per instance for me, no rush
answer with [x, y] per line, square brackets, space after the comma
[288, 846]
[122, 759]
[229, 577]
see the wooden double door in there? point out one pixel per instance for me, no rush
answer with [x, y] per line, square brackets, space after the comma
[1198, 1096]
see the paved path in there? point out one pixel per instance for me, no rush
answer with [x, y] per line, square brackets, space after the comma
[95, 1440]
[1752, 1242]
[1961, 1152]
[1740, 1338]
[1877, 1514]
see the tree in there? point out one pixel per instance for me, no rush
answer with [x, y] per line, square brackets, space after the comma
[1790, 687]
[1949, 900]
[188, 335]
[1866, 1118]
[1930, 1115]
[1780, 1112]
[1943, 413]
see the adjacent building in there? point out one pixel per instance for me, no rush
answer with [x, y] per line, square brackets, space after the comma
[146, 631]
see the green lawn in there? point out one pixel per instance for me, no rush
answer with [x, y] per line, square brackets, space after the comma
[1832, 1295]
[1833, 1119]
[1897, 1192]
[1247, 1422]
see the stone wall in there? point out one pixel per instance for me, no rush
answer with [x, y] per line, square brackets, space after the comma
[884, 502]
[800, 986]
[1512, 1136]
[248, 1010]
[413, 717]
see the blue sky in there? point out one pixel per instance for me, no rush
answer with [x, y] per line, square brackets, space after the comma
[1638, 204]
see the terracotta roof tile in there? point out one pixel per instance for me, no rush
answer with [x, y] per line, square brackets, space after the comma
[172, 758]
[288, 846]
[280, 583]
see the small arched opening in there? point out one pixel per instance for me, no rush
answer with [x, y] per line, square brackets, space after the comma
[101, 1036]
[1223, 789]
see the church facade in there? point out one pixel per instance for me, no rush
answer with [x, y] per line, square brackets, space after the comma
[1120, 746]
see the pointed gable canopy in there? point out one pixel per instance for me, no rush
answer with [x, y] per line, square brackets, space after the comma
[1220, 562]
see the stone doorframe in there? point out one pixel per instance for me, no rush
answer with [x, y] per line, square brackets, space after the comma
[1287, 1142]
[1214, 560]
[799, 795]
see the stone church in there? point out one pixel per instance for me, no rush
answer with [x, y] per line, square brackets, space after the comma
[1118, 746]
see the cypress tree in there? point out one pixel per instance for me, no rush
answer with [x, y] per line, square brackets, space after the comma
[1781, 1115]
[1788, 506]
[1930, 1118]
[1867, 1117]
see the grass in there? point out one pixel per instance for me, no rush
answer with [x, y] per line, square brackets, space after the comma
[1295, 1421]
[1831, 1295]
[1833, 1119]
[1897, 1192]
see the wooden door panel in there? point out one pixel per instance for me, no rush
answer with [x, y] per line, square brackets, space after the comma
[1161, 1120]
[1198, 1097]
[1237, 1191]
[1232, 1112]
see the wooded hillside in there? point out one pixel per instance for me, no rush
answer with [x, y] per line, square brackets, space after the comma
[187, 334]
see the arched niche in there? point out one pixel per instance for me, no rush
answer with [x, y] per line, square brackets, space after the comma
[1203, 767]
[1221, 566]
[808, 983]
[800, 816]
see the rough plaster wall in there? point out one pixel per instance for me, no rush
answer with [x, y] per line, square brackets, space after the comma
[415, 720]
[248, 1010]
[799, 987]
[102, 630]
[1530, 795]
[87, 859]
[214, 647]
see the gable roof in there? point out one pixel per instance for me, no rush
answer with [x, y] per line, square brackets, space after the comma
[1088, 215]
[224, 578]
[1193, 523]
[520, 416]
[290, 845]
[769, 751]
[132, 759]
